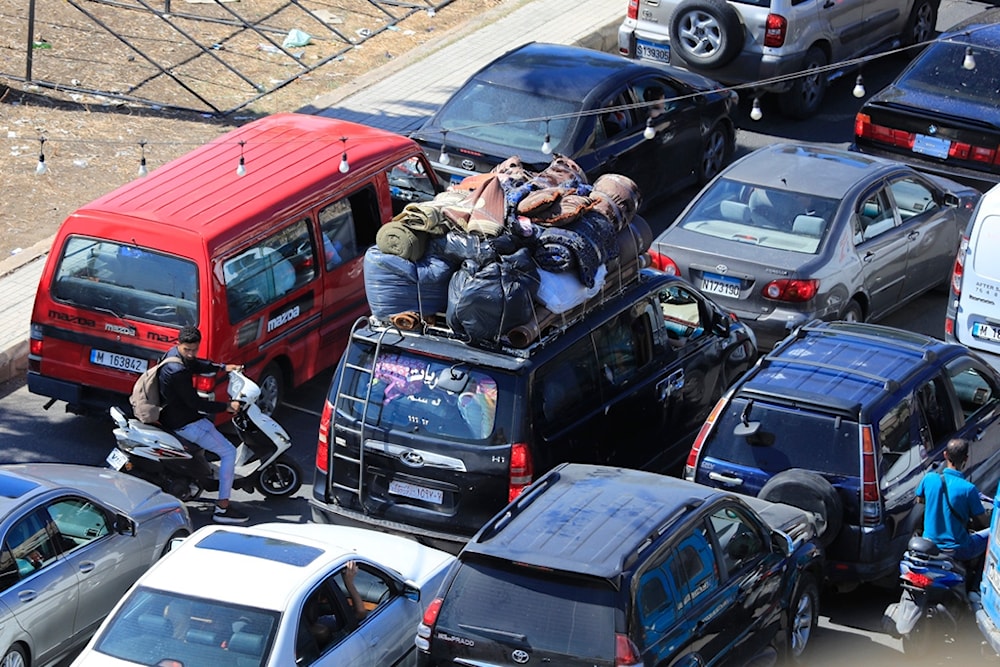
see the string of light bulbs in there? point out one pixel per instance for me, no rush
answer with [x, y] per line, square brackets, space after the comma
[649, 132]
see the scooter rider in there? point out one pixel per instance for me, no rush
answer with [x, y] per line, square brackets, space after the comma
[951, 502]
[183, 414]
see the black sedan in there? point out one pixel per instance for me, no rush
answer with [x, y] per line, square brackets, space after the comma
[941, 114]
[597, 108]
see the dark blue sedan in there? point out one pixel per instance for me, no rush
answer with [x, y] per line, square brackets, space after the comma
[591, 106]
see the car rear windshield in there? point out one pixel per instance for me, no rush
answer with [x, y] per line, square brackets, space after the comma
[539, 611]
[127, 281]
[488, 112]
[785, 437]
[762, 216]
[936, 72]
[419, 394]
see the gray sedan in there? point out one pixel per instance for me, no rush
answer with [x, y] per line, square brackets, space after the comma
[75, 538]
[793, 232]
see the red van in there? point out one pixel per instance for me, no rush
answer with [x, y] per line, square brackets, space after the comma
[264, 254]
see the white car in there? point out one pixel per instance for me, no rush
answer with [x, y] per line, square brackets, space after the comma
[274, 594]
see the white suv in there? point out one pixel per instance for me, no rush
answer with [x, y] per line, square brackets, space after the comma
[755, 41]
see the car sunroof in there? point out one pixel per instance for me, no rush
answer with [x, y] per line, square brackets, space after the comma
[15, 487]
[268, 548]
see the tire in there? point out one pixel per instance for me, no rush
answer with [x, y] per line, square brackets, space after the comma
[715, 155]
[809, 491]
[706, 33]
[918, 641]
[853, 312]
[280, 479]
[272, 389]
[14, 657]
[805, 97]
[803, 616]
[920, 26]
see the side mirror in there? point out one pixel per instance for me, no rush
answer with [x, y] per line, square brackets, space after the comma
[782, 542]
[720, 324]
[124, 525]
[746, 430]
[411, 591]
[951, 200]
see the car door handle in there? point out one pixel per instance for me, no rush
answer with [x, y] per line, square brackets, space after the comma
[912, 235]
[829, 4]
[725, 479]
[27, 596]
[87, 566]
[670, 384]
[869, 256]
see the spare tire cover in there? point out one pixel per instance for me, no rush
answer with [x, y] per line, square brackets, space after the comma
[706, 33]
[809, 491]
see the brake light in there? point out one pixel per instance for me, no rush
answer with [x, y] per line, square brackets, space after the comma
[661, 262]
[692, 461]
[626, 653]
[794, 290]
[426, 626]
[204, 383]
[866, 129]
[521, 470]
[959, 270]
[323, 439]
[917, 579]
[775, 29]
[35, 347]
[871, 500]
[633, 10]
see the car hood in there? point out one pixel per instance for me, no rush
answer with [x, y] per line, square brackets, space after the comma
[933, 106]
[127, 494]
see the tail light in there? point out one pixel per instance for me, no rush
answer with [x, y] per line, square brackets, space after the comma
[871, 498]
[866, 129]
[204, 383]
[775, 29]
[626, 653]
[426, 626]
[323, 439]
[917, 579]
[692, 461]
[35, 348]
[633, 10]
[663, 263]
[521, 470]
[792, 290]
[959, 270]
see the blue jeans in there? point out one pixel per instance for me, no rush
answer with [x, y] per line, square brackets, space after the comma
[204, 434]
[976, 546]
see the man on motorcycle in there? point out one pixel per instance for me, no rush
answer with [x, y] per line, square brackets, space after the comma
[183, 413]
[951, 503]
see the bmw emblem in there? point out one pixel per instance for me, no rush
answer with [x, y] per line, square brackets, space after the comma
[721, 268]
[932, 129]
[519, 656]
[412, 459]
[468, 165]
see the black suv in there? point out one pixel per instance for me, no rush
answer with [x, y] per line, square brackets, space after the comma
[607, 566]
[428, 435]
[844, 419]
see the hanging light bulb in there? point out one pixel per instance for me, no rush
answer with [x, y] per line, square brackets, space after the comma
[345, 166]
[859, 87]
[41, 168]
[969, 62]
[649, 132]
[547, 144]
[142, 159]
[444, 158]
[241, 168]
[755, 112]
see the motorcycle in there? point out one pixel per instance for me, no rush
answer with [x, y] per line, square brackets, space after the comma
[180, 467]
[934, 598]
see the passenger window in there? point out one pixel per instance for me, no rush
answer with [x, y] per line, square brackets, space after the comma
[911, 197]
[903, 442]
[336, 224]
[323, 623]
[619, 348]
[618, 118]
[658, 601]
[266, 272]
[975, 393]
[875, 217]
[409, 182]
[932, 399]
[78, 521]
[739, 539]
[693, 567]
[373, 587]
[566, 388]
[682, 316]
[30, 542]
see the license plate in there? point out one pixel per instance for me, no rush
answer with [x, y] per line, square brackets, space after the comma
[119, 361]
[117, 459]
[416, 492]
[933, 146]
[986, 331]
[650, 51]
[720, 285]
[455, 179]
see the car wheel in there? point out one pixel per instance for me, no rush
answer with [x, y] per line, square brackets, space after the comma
[280, 479]
[803, 615]
[706, 33]
[809, 491]
[272, 389]
[14, 657]
[715, 155]
[806, 94]
[920, 26]
[853, 312]
[917, 642]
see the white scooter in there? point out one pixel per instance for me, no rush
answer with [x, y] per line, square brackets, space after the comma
[180, 467]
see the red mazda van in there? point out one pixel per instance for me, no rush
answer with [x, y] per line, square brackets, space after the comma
[257, 238]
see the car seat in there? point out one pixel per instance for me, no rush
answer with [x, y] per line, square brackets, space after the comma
[808, 225]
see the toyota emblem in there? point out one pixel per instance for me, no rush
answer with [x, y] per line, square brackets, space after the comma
[412, 459]
[468, 165]
[519, 656]
[721, 268]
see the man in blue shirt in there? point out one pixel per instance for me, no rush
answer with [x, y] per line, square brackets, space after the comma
[951, 502]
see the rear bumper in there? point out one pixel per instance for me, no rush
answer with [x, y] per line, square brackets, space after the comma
[981, 180]
[78, 397]
[336, 514]
[989, 629]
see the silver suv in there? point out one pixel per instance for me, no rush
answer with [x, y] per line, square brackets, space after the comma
[756, 41]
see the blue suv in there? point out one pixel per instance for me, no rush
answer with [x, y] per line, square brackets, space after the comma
[844, 419]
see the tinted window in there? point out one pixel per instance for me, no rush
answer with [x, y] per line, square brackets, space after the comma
[421, 394]
[129, 281]
[976, 394]
[739, 539]
[786, 438]
[693, 567]
[567, 388]
[31, 543]
[565, 617]
[937, 73]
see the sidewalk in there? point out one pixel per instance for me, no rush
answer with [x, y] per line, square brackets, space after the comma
[395, 97]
